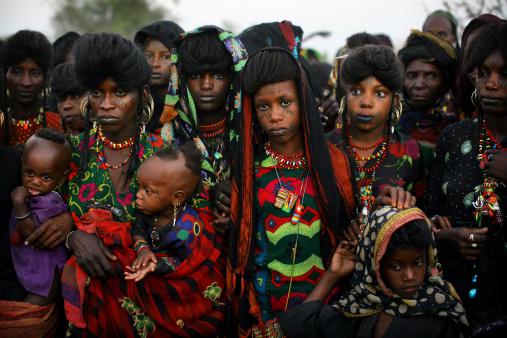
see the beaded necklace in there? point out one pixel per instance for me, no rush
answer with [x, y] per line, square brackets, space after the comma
[213, 130]
[213, 142]
[295, 161]
[104, 141]
[110, 144]
[486, 203]
[29, 122]
[366, 175]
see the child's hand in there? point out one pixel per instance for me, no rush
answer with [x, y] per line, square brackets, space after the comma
[139, 274]
[19, 195]
[144, 258]
[343, 261]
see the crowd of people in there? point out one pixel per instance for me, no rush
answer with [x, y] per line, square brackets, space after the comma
[206, 184]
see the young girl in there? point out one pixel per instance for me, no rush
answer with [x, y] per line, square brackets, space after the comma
[373, 78]
[45, 164]
[397, 289]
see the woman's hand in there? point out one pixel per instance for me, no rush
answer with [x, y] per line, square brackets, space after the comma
[353, 232]
[496, 165]
[395, 197]
[144, 258]
[91, 254]
[221, 200]
[139, 274]
[52, 232]
[466, 242]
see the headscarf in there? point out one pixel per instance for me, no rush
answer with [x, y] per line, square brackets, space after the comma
[431, 48]
[371, 294]
[180, 115]
[163, 31]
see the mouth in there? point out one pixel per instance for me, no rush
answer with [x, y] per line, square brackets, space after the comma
[491, 101]
[411, 289]
[25, 94]
[278, 132]
[206, 98]
[107, 119]
[156, 76]
[364, 118]
[33, 192]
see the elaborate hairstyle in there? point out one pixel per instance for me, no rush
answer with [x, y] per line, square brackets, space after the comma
[190, 153]
[204, 52]
[488, 39]
[63, 81]
[28, 44]
[164, 31]
[62, 46]
[430, 48]
[99, 56]
[52, 135]
[385, 40]
[361, 39]
[273, 34]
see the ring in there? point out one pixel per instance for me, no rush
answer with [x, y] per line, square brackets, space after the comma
[471, 239]
[474, 245]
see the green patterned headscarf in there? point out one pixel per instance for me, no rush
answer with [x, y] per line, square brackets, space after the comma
[180, 120]
[371, 295]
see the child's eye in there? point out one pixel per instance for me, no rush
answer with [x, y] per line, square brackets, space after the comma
[261, 107]
[120, 92]
[355, 91]
[419, 264]
[147, 190]
[46, 178]
[395, 267]
[95, 93]
[194, 76]
[219, 76]
[285, 103]
[381, 94]
[28, 173]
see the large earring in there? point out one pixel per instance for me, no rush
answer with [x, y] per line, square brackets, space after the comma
[473, 97]
[175, 212]
[398, 110]
[145, 115]
[84, 109]
[343, 103]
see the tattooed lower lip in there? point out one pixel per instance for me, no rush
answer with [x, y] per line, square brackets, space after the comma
[277, 132]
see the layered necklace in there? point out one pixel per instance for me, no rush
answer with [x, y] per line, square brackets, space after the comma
[365, 177]
[102, 139]
[486, 203]
[287, 200]
[30, 122]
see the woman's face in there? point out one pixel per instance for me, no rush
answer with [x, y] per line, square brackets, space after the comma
[278, 112]
[491, 84]
[68, 108]
[442, 27]
[159, 58]
[115, 108]
[25, 82]
[404, 270]
[209, 90]
[368, 104]
[424, 84]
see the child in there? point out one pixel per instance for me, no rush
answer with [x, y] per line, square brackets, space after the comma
[163, 224]
[45, 164]
[397, 289]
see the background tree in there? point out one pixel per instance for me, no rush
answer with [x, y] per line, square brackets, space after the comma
[466, 10]
[95, 16]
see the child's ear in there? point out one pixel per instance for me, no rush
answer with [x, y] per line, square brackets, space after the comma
[179, 197]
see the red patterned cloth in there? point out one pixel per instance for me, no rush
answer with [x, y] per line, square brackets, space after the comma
[19, 134]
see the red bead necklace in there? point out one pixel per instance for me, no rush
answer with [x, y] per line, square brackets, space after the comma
[213, 130]
[116, 146]
[295, 161]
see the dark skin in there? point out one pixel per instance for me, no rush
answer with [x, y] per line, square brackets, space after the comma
[491, 86]
[159, 58]
[24, 82]
[45, 167]
[162, 184]
[116, 112]
[424, 84]
[209, 91]
[328, 108]
[442, 27]
[68, 108]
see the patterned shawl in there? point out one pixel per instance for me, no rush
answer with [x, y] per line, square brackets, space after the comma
[371, 295]
[179, 118]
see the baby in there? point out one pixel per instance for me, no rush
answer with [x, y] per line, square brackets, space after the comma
[45, 165]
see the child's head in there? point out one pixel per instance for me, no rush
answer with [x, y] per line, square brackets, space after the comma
[206, 65]
[372, 77]
[168, 178]
[403, 266]
[270, 77]
[45, 161]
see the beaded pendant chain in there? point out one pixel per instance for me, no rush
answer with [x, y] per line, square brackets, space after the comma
[295, 161]
[366, 175]
[29, 122]
[213, 130]
[110, 144]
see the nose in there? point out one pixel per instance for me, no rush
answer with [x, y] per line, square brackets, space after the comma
[366, 101]
[493, 81]
[107, 102]
[419, 82]
[36, 181]
[408, 274]
[276, 114]
[156, 61]
[138, 196]
[26, 80]
[68, 103]
[207, 82]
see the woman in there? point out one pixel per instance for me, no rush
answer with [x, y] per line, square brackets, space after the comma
[156, 41]
[443, 24]
[203, 101]
[397, 289]
[285, 198]
[430, 69]
[467, 190]
[26, 62]
[372, 78]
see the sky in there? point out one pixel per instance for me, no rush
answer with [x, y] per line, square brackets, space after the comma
[341, 18]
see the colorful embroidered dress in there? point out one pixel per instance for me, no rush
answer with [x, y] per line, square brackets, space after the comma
[95, 185]
[180, 115]
[276, 237]
[21, 130]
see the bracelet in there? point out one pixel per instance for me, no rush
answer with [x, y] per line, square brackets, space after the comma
[67, 239]
[20, 218]
[140, 243]
[141, 249]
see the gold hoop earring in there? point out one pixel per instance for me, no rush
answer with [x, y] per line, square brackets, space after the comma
[398, 110]
[84, 109]
[175, 212]
[147, 111]
[473, 97]
[343, 103]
